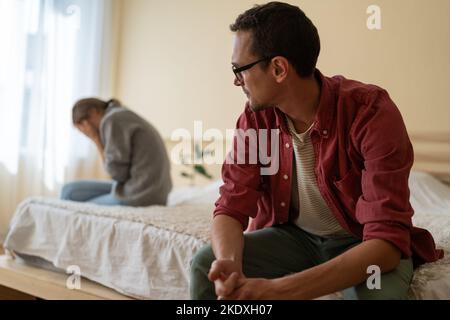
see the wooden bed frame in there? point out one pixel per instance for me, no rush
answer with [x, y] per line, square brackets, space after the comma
[20, 281]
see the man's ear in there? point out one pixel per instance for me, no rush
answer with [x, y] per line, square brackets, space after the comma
[280, 67]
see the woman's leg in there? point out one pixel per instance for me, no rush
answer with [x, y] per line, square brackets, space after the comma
[83, 191]
[107, 200]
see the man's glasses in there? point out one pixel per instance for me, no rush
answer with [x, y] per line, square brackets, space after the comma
[237, 71]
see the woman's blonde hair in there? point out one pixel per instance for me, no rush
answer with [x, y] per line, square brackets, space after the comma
[81, 109]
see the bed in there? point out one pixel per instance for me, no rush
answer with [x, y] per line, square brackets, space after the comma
[144, 253]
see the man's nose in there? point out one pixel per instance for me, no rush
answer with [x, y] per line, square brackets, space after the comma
[237, 82]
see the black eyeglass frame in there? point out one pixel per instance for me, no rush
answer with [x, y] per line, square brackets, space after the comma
[237, 71]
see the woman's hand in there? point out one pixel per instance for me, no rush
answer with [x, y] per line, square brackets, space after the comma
[89, 130]
[92, 133]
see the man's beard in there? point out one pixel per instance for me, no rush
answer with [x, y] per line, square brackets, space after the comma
[256, 107]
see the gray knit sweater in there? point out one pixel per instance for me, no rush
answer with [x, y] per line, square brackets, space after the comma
[135, 158]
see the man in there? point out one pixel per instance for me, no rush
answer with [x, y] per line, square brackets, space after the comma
[339, 202]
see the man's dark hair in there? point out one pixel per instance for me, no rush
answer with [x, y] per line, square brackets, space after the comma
[280, 29]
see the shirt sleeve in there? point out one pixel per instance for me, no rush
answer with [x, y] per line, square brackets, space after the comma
[384, 208]
[241, 190]
[117, 149]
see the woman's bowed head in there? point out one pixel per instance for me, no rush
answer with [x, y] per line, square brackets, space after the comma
[88, 113]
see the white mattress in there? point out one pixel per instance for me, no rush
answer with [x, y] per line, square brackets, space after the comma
[145, 252]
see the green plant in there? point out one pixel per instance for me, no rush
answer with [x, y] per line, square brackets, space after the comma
[195, 168]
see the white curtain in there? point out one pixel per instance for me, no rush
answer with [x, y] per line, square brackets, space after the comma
[52, 52]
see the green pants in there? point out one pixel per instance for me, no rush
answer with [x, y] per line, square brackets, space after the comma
[281, 250]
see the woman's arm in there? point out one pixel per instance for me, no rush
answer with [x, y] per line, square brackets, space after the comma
[92, 133]
[100, 148]
[117, 136]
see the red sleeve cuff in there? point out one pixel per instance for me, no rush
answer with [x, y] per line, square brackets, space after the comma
[243, 219]
[395, 233]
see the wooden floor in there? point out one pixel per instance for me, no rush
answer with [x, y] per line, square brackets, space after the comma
[10, 294]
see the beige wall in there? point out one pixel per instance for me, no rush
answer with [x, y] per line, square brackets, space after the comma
[174, 57]
[174, 64]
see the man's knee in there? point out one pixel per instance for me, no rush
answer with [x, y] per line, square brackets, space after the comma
[202, 259]
[361, 292]
[200, 286]
[392, 286]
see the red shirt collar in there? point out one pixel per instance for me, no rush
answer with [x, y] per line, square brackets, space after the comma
[325, 112]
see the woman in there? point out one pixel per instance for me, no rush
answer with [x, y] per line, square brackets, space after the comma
[133, 154]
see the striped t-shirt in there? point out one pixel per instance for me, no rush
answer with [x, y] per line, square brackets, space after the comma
[314, 217]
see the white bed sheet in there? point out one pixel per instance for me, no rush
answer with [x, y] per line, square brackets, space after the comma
[145, 252]
[141, 252]
[431, 202]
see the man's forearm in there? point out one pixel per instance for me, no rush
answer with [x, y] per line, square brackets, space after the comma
[227, 238]
[344, 271]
